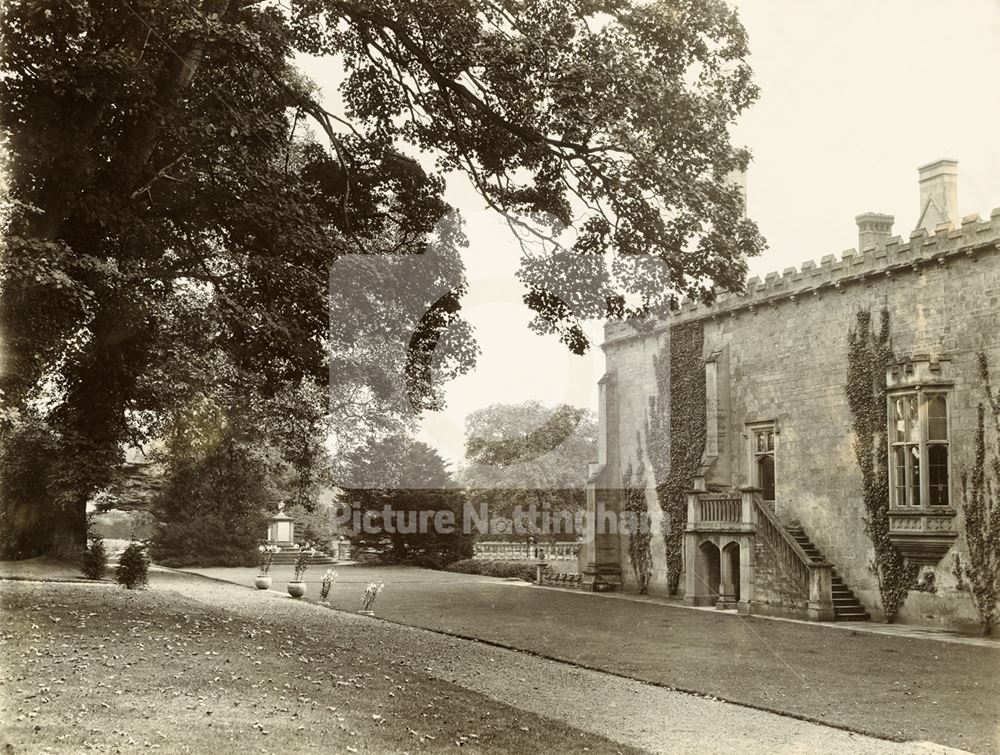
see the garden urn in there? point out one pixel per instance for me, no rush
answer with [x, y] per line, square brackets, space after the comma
[296, 589]
[262, 582]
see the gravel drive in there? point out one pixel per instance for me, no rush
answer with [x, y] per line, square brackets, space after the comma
[626, 711]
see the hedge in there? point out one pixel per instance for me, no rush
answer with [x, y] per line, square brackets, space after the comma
[505, 569]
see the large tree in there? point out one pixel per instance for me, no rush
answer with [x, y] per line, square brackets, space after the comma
[156, 157]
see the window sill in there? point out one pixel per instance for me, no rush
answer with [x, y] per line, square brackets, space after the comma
[923, 535]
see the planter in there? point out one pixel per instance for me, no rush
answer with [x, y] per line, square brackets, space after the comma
[296, 589]
[262, 582]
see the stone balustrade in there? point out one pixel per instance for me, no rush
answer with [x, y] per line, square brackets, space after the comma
[489, 550]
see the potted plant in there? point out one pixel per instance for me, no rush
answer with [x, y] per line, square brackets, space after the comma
[263, 579]
[325, 585]
[368, 602]
[297, 587]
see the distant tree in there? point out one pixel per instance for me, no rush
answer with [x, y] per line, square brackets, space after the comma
[522, 455]
[315, 523]
[402, 517]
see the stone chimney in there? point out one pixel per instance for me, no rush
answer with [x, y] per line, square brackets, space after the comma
[938, 195]
[874, 230]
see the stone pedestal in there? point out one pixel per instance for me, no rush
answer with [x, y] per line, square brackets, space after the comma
[281, 528]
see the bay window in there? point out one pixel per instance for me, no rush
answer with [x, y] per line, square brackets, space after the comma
[919, 461]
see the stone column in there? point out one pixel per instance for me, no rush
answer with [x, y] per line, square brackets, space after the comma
[820, 606]
[745, 604]
[727, 591]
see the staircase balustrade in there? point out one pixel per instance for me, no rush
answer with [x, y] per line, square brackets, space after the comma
[718, 508]
[815, 577]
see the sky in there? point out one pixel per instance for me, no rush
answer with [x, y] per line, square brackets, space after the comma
[854, 96]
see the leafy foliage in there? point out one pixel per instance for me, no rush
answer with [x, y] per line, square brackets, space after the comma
[228, 458]
[869, 354]
[211, 510]
[133, 566]
[403, 521]
[175, 208]
[168, 225]
[27, 454]
[95, 558]
[502, 569]
[220, 478]
[640, 531]
[981, 508]
[302, 562]
[677, 437]
[618, 108]
[315, 525]
[524, 455]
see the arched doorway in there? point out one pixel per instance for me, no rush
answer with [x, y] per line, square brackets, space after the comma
[731, 571]
[765, 475]
[709, 569]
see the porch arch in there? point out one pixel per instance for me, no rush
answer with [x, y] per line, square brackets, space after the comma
[708, 572]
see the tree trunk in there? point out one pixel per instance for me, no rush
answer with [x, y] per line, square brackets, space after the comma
[69, 532]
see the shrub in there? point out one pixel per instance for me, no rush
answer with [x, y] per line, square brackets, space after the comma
[95, 558]
[504, 569]
[133, 566]
[211, 507]
[206, 540]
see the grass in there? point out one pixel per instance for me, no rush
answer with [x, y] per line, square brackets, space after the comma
[92, 666]
[886, 686]
[891, 687]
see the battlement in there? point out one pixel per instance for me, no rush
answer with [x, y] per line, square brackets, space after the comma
[974, 237]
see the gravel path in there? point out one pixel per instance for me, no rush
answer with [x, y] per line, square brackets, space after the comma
[624, 710]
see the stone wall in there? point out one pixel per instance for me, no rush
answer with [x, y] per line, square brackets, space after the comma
[779, 353]
[775, 589]
[635, 382]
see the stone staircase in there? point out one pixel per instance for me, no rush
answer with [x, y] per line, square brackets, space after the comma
[846, 607]
[289, 554]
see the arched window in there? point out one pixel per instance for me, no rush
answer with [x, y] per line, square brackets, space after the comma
[762, 452]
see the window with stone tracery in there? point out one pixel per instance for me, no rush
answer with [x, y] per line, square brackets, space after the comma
[762, 457]
[919, 462]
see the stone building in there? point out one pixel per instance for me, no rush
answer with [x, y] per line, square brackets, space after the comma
[754, 425]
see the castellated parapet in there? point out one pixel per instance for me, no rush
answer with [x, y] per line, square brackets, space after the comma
[975, 238]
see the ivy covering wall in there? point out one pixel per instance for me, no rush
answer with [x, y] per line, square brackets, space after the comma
[981, 509]
[869, 354]
[676, 434]
[639, 529]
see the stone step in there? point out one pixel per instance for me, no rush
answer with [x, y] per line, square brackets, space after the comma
[288, 555]
[846, 602]
[846, 606]
[853, 615]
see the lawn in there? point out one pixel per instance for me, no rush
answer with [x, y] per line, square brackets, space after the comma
[892, 687]
[95, 667]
